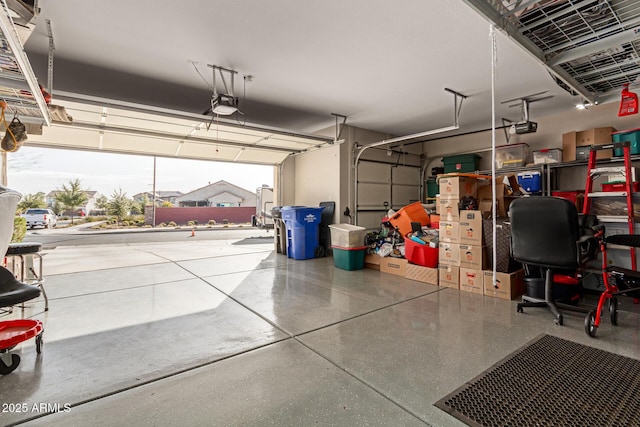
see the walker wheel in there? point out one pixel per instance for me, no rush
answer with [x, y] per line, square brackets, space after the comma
[590, 324]
[613, 310]
[15, 361]
[39, 343]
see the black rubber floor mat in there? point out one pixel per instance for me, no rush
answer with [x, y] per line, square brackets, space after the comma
[551, 382]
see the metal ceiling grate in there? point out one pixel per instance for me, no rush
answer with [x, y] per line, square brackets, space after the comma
[592, 45]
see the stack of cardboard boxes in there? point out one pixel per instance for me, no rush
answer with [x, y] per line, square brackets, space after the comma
[462, 256]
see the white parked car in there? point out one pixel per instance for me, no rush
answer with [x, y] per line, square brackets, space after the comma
[40, 217]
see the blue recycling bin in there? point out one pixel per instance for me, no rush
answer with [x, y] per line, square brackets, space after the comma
[303, 229]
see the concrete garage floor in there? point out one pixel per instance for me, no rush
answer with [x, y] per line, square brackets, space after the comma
[216, 333]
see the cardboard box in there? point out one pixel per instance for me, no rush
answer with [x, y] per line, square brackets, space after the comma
[449, 276]
[449, 231]
[470, 228]
[471, 280]
[508, 285]
[472, 256]
[456, 187]
[422, 274]
[397, 266]
[372, 261]
[503, 201]
[595, 136]
[449, 209]
[449, 253]
[438, 204]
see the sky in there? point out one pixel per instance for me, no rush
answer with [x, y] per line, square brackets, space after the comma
[33, 169]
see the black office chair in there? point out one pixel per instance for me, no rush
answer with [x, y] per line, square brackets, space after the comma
[545, 234]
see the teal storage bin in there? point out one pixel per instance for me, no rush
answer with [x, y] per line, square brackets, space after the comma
[432, 187]
[633, 136]
[461, 163]
[349, 258]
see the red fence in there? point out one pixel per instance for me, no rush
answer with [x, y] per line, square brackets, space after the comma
[181, 216]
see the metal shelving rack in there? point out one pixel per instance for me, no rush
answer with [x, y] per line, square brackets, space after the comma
[18, 85]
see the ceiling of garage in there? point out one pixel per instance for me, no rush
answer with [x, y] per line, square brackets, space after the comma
[384, 65]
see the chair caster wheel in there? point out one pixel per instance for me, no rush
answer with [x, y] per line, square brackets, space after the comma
[39, 343]
[6, 369]
[590, 324]
[559, 320]
[519, 309]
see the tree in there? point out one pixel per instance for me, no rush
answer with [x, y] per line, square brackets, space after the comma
[119, 204]
[57, 207]
[102, 203]
[32, 201]
[138, 207]
[72, 196]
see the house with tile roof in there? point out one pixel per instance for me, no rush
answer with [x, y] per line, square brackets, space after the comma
[218, 194]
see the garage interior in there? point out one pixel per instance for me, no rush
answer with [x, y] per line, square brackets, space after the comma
[353, 103]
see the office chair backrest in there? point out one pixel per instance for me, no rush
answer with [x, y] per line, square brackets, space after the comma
[8, 202]
[544, 232]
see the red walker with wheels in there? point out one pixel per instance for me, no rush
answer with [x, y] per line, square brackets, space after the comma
[617, 280]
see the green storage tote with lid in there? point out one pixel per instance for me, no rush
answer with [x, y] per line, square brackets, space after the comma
[461, 163]
[632, 135]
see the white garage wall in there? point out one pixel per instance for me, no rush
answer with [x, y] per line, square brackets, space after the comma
[549, 135]
[317, 176]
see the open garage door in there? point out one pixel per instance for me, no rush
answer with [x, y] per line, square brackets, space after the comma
[116, 127]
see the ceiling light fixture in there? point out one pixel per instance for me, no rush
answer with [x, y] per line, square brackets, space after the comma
[584, 105]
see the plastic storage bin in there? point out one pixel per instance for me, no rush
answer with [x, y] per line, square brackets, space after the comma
[349, 258]
[561, 291]
[576, 197]
[303, 226]
[432, 187]
[414, 212]
[619, 186]
[530, 181]
[511, 155]
[549, 155]
[461, 163]
[347, 235]
[420, 254]
[632, 135]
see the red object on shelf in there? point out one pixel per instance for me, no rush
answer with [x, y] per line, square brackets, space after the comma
[573, 196]
[13, 332]
[628, 103]
[619, 186]
[423, 255]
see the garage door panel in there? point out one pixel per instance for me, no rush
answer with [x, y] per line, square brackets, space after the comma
[370, 220]
[404, 194]
[405, 175]
[373, 195]
[374, 172]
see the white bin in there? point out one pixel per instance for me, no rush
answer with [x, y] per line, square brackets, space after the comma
[347, 235]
